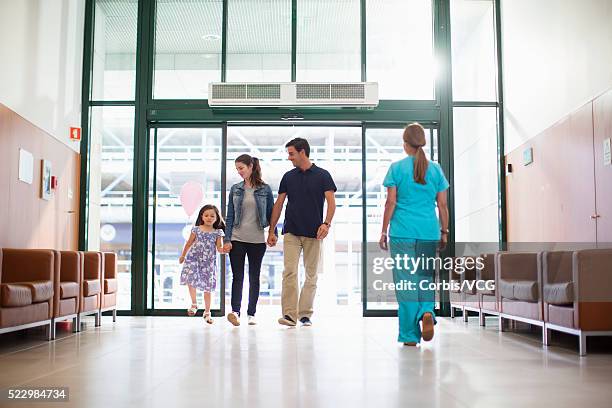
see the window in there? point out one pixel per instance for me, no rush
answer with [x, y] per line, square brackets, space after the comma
[111, 163]
[475, 174]
[328, 41]
[400, 48]
[187, 48]
[114, 53]
[259, 41]
[473, 50]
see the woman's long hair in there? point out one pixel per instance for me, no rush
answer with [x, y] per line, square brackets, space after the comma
[255, 178]
[414, 135]
[219, 224]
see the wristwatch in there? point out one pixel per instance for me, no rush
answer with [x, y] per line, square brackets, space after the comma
[327, 223]
[445, 231]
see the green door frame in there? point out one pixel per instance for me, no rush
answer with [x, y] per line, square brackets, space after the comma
[150, 112]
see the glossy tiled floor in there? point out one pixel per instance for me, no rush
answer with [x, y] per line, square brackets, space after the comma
[343, 360]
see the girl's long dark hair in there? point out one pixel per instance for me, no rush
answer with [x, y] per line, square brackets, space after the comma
[219, 224]
[255, 179]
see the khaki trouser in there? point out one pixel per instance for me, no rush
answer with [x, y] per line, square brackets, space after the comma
[295, 307]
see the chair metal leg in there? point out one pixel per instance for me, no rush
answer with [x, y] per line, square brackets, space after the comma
[545, 335]
[501, 323]
[465, 315]
[75, 324]
[51, 330]
[481, 318]
[98, 318]
[114, 315]
[452, 312]
[582, 344]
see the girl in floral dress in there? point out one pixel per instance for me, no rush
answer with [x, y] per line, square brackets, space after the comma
[200, 257]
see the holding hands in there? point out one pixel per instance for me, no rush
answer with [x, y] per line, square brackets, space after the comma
[272, 239]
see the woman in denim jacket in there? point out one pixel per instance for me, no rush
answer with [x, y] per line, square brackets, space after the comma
[249, 207]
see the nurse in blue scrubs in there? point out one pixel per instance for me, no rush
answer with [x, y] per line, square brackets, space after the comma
[415, 187]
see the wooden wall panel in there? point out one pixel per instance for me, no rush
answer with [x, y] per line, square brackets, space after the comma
[552, 199]
[29, 221]
[602, 119]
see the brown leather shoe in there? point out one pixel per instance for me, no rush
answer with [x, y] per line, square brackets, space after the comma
[427, 332]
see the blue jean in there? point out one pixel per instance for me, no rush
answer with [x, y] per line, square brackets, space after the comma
[413, 302]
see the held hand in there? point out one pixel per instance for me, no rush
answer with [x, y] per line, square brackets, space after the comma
[322, 231]
[272, 239]
[181, 259]
[382, 243]
[227, 247]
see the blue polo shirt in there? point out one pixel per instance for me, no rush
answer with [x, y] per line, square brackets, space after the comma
[306, 196]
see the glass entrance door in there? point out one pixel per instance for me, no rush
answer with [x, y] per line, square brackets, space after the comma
[193, 166]
[338, 149]
[185, 173]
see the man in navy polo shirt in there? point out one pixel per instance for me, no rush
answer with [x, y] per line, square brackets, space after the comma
[306, 188]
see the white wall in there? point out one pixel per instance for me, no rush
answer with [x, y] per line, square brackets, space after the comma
[557, 56]
[41, 54]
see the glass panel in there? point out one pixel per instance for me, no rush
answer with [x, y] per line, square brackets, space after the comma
[259, 41]
[473, 50]
[328, 41]
[383, 147]
[111, 163]
[187, 48]
[114, 53]
[399, 48]
[185, 172]
[338, 150]
[476, 184]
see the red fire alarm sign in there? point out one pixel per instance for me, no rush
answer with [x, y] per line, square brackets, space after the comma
[75, 133]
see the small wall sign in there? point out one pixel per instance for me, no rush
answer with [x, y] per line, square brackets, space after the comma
[26, 166]
[527, 156]
[606, 152]
[75, 134]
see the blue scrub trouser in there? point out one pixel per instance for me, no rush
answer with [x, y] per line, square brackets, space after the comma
[415, 301]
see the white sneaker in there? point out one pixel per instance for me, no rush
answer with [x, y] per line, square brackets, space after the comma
[234, 318]
[252, 320]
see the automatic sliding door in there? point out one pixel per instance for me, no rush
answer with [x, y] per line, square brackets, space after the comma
[185, 173]
[336, 149]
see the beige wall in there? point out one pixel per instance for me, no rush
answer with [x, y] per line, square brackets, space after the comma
[41, 60]
[557, 57]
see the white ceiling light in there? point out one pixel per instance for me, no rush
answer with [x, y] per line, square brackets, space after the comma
[211, 37]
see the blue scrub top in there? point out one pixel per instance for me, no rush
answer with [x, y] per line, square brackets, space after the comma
[415, 212]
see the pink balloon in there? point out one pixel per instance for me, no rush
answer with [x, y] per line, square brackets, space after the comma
[191, 196]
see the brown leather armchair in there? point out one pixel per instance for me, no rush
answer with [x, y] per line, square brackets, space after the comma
[91, 286]
[109, 284]
[519, 284]
[578, 293]
[27, 279]
[68, 292]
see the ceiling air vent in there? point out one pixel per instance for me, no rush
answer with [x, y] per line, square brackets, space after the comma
[354, 94]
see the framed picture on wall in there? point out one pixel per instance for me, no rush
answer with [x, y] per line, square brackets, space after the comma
[45, 180]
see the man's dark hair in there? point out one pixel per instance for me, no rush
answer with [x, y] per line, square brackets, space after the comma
[300, 144]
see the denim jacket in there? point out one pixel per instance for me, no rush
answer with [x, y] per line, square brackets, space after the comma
[264, 201]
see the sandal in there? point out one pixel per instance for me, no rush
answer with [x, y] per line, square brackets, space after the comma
[207, 318]
[192, 310]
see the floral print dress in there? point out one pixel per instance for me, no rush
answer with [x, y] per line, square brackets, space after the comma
[200, 267]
